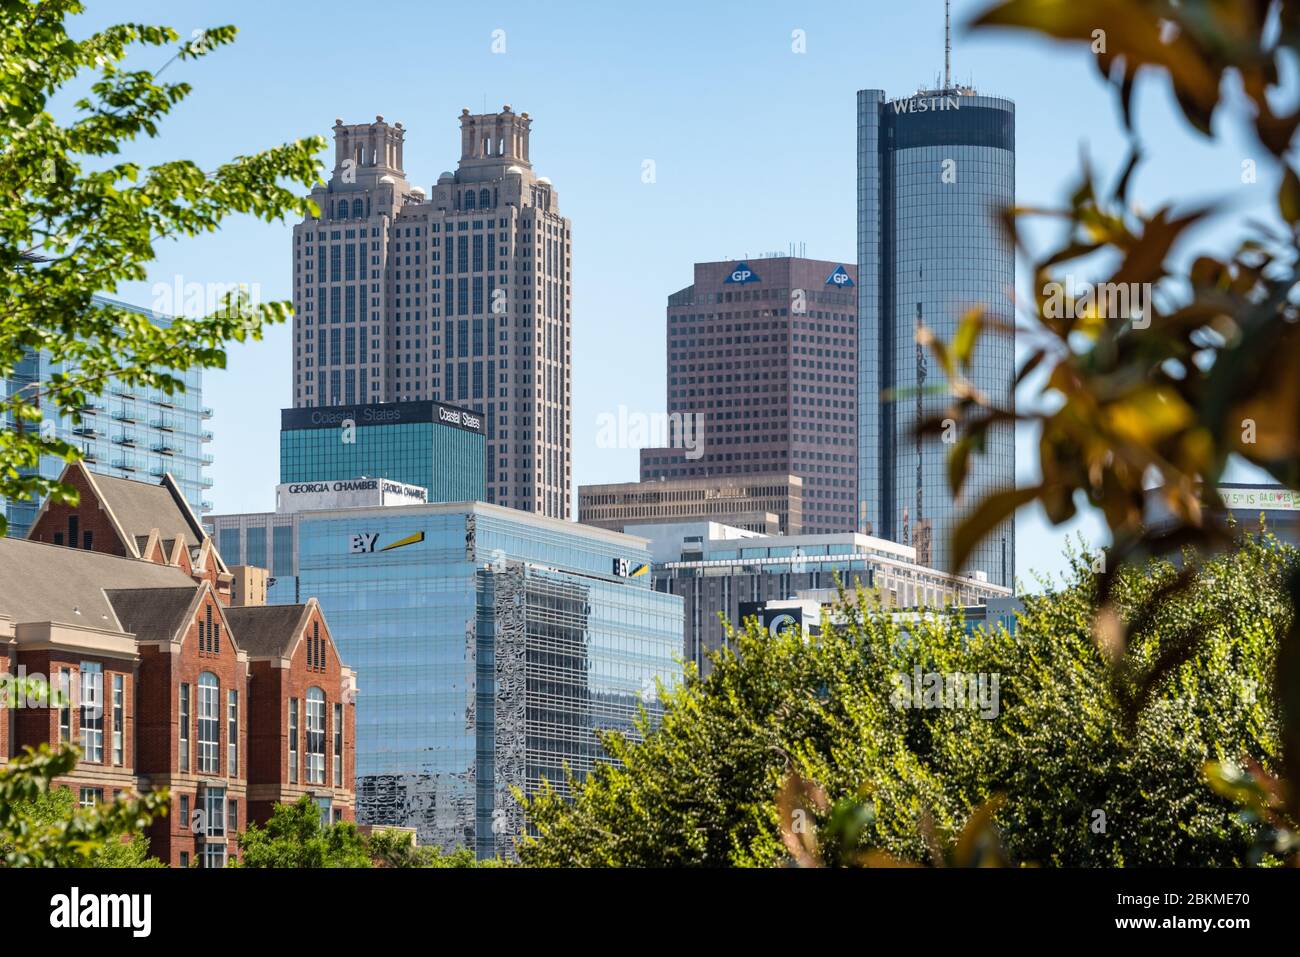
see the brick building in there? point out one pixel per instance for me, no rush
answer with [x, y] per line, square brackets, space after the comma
[123, 603]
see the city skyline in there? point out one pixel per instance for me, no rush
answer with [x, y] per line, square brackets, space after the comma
[709, 187]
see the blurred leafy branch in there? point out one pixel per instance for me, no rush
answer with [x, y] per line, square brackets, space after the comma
[1150, 396]
[76, 220]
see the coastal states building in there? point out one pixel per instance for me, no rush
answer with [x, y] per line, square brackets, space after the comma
[438, 447]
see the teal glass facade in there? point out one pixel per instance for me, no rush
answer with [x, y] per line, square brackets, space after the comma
[490, 647]
[126, 431]
[435, 446]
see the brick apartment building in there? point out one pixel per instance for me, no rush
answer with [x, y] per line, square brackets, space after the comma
[123, 602]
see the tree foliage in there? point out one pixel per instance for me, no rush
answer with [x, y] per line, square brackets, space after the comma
[787, 731]
[1201, 365]
[77, 219]
[389, 848]
[41, 827]
[296, 837]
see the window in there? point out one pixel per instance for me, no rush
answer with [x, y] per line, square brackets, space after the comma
[214, 855]
[185, 811]
[338, 745]
[293, 740]
[91, 796]
[209, 723]
[232, 816]
[185, 727]
[232, 733]
[92, 712]
[185, 859]
[326, 807]
[315, 736]
[65, 705]
[119, 718]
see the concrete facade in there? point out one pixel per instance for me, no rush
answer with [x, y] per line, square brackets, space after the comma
[763, 353]
[459, 295]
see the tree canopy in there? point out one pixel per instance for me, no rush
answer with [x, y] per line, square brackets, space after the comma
[1083, 765]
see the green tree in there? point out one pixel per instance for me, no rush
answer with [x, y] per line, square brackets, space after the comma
[295, 837]
[1203, 366]
[77, 220]
[41, 827]
[126, 850]
[791, 744]
[390, 848]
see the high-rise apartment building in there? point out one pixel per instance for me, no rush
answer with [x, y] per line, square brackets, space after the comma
[934, 169]
[762, 357]
[126, 431]
[458, 295]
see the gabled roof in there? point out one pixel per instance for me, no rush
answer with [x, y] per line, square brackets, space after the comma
[154, 614]
[41, 582]
[267, 631]
[139, 507]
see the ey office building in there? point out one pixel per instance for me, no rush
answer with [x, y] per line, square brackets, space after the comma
[126, 431]
[491, 646]
[460, 294]
[440, 448]
[934, 170]
[717, 569]
[765, 352]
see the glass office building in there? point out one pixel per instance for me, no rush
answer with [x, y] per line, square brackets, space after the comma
[126, 431]
[436, 446]
[934, 169]
[490, 647]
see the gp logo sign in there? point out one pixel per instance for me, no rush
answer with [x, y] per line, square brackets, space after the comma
[742, 274]
[840, 277]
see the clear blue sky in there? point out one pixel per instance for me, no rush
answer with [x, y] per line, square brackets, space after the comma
[753, 146]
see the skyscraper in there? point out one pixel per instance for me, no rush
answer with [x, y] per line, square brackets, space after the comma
[762, 355]
[933, 170]
[126, 431]
[461, 295]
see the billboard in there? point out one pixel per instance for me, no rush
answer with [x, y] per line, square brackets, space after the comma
[351, 493]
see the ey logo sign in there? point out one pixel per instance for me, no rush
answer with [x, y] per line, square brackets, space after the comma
[624, 568]
[840, 277]
[367, 542]
[742, 274]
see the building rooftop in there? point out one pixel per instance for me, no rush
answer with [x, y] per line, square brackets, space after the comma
[71, 586]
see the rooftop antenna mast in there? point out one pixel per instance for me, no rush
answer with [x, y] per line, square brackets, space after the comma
[947, 44]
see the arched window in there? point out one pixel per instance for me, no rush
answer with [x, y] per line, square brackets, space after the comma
[209, 722]
[484, 199]
[356, 209]
[315, 736]
[469, 199]
[343, 209]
